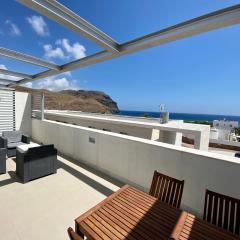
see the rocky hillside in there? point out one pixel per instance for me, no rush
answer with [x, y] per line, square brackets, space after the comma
[76, 100]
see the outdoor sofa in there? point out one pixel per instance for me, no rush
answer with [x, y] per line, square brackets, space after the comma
[35, 162]
[11, 139]
[3, 152]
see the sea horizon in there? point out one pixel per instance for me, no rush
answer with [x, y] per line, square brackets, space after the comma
[182, 116]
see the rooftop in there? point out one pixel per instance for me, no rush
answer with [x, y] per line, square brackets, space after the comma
[100, 160]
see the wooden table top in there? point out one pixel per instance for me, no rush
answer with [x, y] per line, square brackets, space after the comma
[134, 215]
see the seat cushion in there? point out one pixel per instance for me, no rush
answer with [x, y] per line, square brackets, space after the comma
[15, 144]
[24, 148]
[13, 136]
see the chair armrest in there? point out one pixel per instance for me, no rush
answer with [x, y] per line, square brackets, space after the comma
[3, 142]
[25, 139]
[3, 151]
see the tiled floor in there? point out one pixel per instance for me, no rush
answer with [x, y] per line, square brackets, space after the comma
[43, 209]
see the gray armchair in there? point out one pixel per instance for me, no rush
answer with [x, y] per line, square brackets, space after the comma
[36, 162]
[11, 139]
[3, 152]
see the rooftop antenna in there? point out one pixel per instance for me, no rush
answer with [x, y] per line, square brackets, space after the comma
[164, 115]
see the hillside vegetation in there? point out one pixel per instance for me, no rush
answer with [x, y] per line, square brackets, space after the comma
[76, 100]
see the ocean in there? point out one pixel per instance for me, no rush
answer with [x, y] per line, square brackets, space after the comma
[182, 116]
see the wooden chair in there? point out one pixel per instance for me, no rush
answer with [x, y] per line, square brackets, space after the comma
[167, 189]
[72, 235]
[222, 211]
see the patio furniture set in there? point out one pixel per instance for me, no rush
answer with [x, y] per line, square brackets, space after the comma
[132, 214]
[32, 160]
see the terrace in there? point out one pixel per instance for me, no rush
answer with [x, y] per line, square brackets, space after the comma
[93, 163]
[50, 203]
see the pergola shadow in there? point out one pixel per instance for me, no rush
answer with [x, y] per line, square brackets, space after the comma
[88, 180]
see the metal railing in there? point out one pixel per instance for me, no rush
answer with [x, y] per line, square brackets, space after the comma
[37, 101]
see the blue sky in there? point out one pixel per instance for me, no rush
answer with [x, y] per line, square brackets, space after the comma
[195, 75]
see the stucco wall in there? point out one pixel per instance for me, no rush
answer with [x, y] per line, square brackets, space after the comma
[133, 160]
[23, 112]
[117, 128]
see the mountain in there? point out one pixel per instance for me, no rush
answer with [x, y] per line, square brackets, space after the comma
[76, 100]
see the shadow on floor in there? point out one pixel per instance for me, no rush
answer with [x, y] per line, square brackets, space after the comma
[89, 181]
[82, 177]
[13, 178]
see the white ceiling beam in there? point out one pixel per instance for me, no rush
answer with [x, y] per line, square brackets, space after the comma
[27, 58]
[64, 16]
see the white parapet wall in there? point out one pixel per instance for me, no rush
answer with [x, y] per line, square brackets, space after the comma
[23, 120]
[170, 132]
[133, 160]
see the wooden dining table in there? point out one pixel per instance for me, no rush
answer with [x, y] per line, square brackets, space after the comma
[132, 214]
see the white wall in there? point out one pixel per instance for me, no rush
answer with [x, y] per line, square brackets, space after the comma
[133, 160]
[113, 127]
[170, 132]
[224, 124]
[23, 112]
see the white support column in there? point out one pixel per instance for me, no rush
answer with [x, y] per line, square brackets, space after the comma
[201, 140]
[42, 106]
[170, 137]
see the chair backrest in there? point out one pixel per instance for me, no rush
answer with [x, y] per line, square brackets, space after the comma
[222, 211]
[13, 136]
[41, 152]
[72, 235]
[167, 189]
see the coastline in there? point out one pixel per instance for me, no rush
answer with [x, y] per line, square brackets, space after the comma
[181, 116]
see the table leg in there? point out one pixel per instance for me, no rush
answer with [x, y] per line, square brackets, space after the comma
[78, 231]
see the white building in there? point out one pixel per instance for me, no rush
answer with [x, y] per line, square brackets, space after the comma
[222, 129]
[224, 124]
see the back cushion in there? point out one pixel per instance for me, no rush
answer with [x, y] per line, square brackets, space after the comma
[13, 136]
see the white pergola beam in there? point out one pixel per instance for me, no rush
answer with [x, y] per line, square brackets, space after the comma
[16, 74]
[62, 15]
[7, 81]
[3, 86]
[219, 19]
[215, 20]
[26, 58]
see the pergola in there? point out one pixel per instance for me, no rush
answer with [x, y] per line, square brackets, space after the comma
[112, 49]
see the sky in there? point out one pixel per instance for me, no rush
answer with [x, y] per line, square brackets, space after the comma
[199, 74]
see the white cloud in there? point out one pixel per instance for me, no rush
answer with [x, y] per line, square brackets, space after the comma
[50, 52]
[28, 85]
[69, 74]
[39, 25]
[76, 50]
[7, 77]
[64, 50]
[14, 30]
[56, 84]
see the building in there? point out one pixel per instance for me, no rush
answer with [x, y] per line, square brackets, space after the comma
[222, 130]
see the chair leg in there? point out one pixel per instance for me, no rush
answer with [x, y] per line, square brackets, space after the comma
[72, 235]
